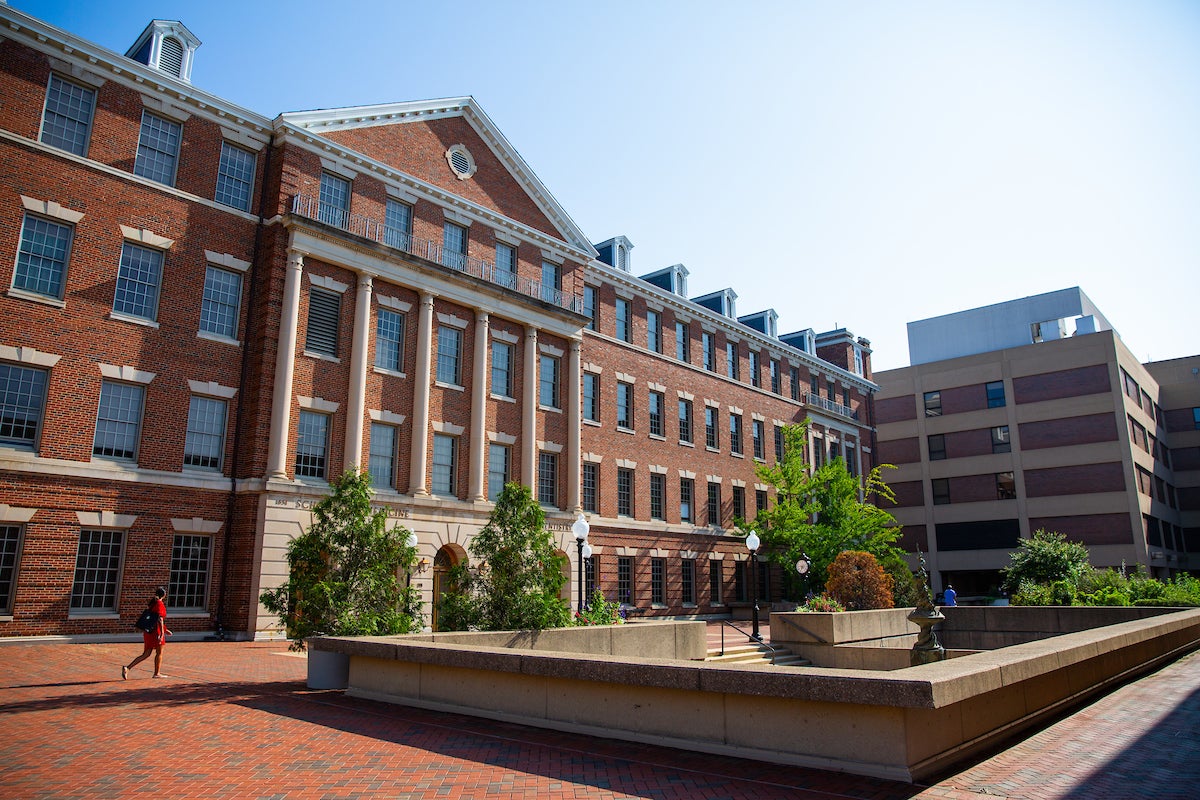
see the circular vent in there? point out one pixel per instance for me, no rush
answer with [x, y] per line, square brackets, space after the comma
[460, 161]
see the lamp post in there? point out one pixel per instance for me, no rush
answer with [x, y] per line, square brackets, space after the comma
[802, 568]
[580, 528]
[587, 558]
[752, 543]
[410, 541]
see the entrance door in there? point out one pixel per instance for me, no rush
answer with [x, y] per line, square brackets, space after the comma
[446, 558]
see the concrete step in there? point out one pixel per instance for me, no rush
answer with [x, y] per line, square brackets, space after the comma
[756, 654]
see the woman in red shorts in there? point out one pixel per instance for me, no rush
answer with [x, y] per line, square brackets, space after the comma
[153, 641]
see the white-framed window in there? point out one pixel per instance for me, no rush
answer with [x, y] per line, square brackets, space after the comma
[755, 378]
[506, 265]
[454, 245]
[687, 579]
[551, 281]
[685, 420]
[687, 491]
[776, 379]
[547, 479]
[221, 304]
[10, 556]
[22, 404]
[624, 492]
[158, 149]
[591, 397]
[709, 343]
[735, 433]
[732, 366]
[381, 461]
[119, 420]
[324, 313]
[449, 355]
[502, 364]
[713, 506]
[97, 582]
[590, 495]
[333, 203]
[658, 495]
[204, 442]
[758, 433]
[67, 118]
[445, 464]
[711, 434]
[624, 310]
[654, 407]
[312, 444]
[42, 257]
[191, 564]
[625, 405]
[389, 339]
[683, 344]
[499, 469]
[548, 381]
[235, 177]
[139, 280]
[653, 331]
[397, 225]
[589, 307]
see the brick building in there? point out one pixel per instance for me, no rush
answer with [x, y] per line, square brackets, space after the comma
[210, 313]
[1033, 414]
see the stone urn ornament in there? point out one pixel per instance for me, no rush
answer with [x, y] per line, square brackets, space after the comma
[925, 616]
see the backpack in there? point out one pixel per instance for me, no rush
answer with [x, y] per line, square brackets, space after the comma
[147, 622]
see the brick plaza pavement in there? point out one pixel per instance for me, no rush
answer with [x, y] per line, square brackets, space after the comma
[234, 720]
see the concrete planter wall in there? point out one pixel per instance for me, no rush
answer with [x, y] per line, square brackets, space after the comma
[328, 669]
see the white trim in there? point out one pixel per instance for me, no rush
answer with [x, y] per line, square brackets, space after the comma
[105, 519]
[28, 355]
[714, 478]
[504, 336]
[656, 387]
[760, 487]
[687, 473]
[590, 367]
[549, 447]
[734, 410]
[507, 237]
[658, 470]
[401, 193]
[709, 402]
[658, 552]
[447, 428]
[592, 458]
[226, 260]
[394, 303]
[716, 556]
[472, 167]
[337, 168]
[328, 283]
[501, 438]
[737, 482]
[49, 208]
[317, 404]
[452, 321]
[389, 417]
[244, 138]
[625, 463]
[457, 217]
[147, 237]
[125, 373]
[627, 551]
[626, 378]
[77, 72]
[196, 525]
[212, 389]
[550, 350]
[16, 513]
[686, 396]
[754, 415]
[162, 106]
[553, 258]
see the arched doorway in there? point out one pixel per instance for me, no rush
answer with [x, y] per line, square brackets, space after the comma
[447, 557]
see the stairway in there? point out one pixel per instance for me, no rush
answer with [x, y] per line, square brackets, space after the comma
[750, 653]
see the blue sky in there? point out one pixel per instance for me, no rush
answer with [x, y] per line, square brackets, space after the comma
[850, 164]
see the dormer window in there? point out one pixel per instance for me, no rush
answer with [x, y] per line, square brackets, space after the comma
[167, 46]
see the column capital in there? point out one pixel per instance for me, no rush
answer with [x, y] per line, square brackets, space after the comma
[295, 259]
[481, 316]
[531, 331]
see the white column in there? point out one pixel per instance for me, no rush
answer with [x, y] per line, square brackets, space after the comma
[529, 412]
[358, 375]
[574, 428]
[285, 361]
[419, 463]
[479, 395]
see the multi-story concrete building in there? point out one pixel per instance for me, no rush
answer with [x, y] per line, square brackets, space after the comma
[209, 314]
[1033, 414]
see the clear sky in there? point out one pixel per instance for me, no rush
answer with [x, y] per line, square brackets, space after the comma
[850, 164]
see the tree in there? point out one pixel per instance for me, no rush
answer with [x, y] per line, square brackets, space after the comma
[821, 514]
[858, 582]
[343, 572]
[519, 575]
[1046, 558]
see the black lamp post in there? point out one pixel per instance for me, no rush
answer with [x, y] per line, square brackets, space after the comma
[580, 528]
[802, 567]
[752, 543]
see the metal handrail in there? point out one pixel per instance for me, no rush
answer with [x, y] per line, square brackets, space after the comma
[759, 642]
[830, 406]
[310, 208]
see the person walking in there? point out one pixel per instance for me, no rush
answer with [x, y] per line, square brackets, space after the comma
[153, 641]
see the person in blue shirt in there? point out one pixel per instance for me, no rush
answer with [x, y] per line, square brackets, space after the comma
[950, 596]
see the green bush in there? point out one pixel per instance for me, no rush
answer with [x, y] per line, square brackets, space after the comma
[1104, 596]
[822, 603]
[599, 612]
[1183, 590]
[1030, 593]
[907, 588]
[1046, 558]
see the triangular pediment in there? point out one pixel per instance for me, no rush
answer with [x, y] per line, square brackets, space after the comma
[419, 138]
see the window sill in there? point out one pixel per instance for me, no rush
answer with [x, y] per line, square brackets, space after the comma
[736, 455]
[682, 443]
[658, 605]
[390, 372]
[760, 460]
[549, 409]
[595, 423]
[625, 430]
[93, 615]
[148, 323]
[201, 471]
[451, 386]
[24, 294]
[503, 398]
[689, 605]
[657, 437]
[216, 337]
[713, 449]
[323, 357]
[309, 480]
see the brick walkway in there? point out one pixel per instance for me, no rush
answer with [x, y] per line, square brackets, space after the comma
[234, 720]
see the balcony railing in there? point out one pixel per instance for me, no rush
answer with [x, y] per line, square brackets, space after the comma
[358, 225]
[831, 407]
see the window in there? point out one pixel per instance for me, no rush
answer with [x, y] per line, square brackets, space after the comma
[858, 361]
[158, 149]
[221, 303]
[715, 580]
[685, 420]
[1001, 443]
[389, 340]
[381, 461]
[658, 493]
[845, 397]
[397, 225]
[204, 442]
[235, 177]
[713, 506]
[138, 280]
[119, 420]
[657, 589]
[190, 565]
[776, 386]
[760, 500]
[937, 447]
[551, 282]
[687, 497]
[625, 405]
[312, 445]
[10, 550]
[445, 464]
[709, 345]
[499, 469]
[591, 488]
[67, 119]
[995, 394]
[97, 571]
[933, 404]
[763, 570]
[941, 491]
[548, 479]
[589, 307]
[653, 331]
[731, 361]
[739, 502]
[687, 581]
[502, 359]
[449, 356]
[851, 466]
[757, 434]
[754, 376]
[624, 492]
[625, 579]
[740, 589]
[333, 206]
[1196, 418]
[324, 312]
[591, 567]
[735, 433]
[1006, 487]
[711, 437]
[548, 382]
[454, 245]
[778, 444]
[795, 383]
[591, 397]
[624, 324]
[655, 407]
[42, 257]
[683, 345]
[22, 402]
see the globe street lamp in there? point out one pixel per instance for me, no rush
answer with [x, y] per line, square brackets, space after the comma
[752, 543]
[580, 528]
[410, 541]
[587, 557]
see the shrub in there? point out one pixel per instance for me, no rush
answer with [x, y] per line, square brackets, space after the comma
[599, 612]
[1031, 594]
[1182, 590]
[907, 588]
[1144, 590]
[1046, 558]
[823, 603]
[858, 582]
